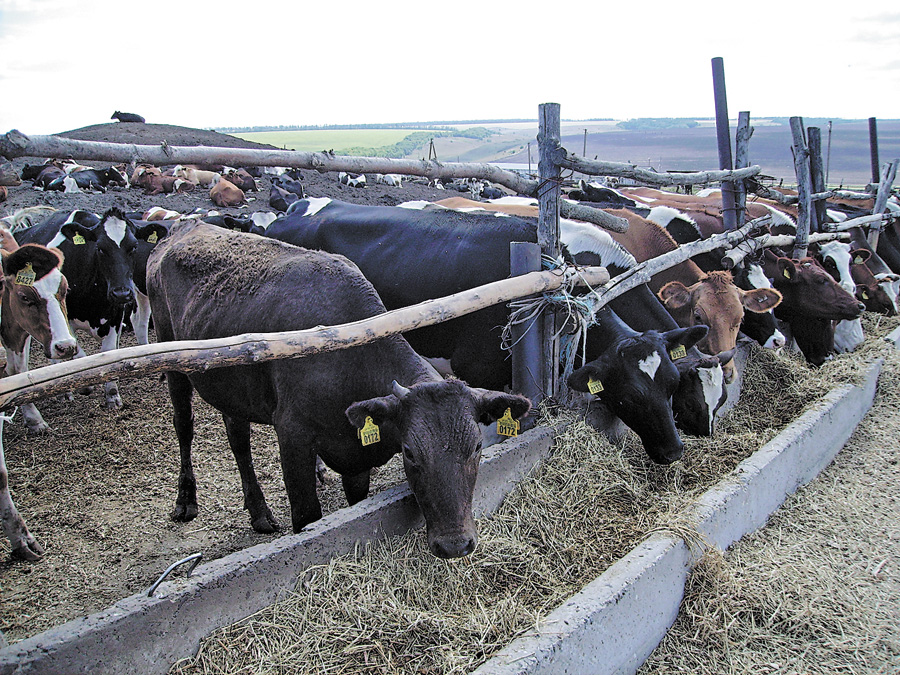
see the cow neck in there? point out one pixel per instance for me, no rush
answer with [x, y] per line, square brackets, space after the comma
[610, 329]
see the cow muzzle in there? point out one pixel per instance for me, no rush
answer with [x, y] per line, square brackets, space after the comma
[453, 545]
[63, 349]
[121, 296]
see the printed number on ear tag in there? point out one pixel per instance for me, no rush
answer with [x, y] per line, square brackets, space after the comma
[595, 386]
[370, 433]
[78, 239]
[506, 425]
[26, 276]
[153, 238]
[678, 352]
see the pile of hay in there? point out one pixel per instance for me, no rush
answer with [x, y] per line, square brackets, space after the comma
[393, 607]
[817, 589]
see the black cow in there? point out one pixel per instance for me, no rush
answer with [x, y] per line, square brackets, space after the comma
[636, 379]
[90, 179]
[127, 117]
[280, 199]
[99, 265]
[207, 282]
[411, 256]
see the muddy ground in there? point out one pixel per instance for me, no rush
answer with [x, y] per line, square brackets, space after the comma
[97, 489]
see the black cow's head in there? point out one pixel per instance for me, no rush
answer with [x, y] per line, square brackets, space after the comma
[113, 243]
[636, 379]
[437, 423]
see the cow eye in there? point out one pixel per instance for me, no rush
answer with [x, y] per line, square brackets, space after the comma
[408, 454]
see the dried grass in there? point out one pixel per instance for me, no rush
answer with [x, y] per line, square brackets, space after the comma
[392, 607]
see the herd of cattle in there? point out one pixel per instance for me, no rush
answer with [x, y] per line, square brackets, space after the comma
[658, 357]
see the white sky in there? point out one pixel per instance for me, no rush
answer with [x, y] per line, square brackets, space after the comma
[65, 64]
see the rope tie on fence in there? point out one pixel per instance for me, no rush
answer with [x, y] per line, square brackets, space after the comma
[578, 310]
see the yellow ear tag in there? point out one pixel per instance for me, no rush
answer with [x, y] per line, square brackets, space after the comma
[370, 433]
[78, 239]
[595, 386]
[678, 353]
[865, 296]
[858, 261]
[153, 238]
[26, 275]
[506, 425]
[786, 274]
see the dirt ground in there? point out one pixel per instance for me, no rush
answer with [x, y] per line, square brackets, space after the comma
[97, 490]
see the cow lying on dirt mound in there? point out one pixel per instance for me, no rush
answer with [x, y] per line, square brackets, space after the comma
[207, 282]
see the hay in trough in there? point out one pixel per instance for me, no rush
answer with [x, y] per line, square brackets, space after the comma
[392, 607]
[817, 589]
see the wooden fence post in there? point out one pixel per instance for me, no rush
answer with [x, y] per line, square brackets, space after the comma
[804, 192]
[873, 149]
[817, 176]
[527, 339]
[723, 137]
[742, 160]
[548, 225]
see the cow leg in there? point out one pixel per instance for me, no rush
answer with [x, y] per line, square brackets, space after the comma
[140, 318]
[356, 488]
[261, 518]
[24, 545]
[18, 363]
[181, 391]
[298, 466]
[111, 388]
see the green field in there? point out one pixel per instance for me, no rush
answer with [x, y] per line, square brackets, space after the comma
[316, 140]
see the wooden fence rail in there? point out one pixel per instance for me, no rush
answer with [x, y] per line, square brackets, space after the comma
[200, 355]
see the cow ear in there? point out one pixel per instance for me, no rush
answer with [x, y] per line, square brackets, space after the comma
[675, 295]
[760, 299]
[71, 230]
[787, 269]
[686, 337]
[5, 256]
[595, 371]
[492, 405]
[145, 232]
[858, 256]
[379, 409]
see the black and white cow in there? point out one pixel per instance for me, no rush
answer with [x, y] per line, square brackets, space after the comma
[416, 255]
[99, 265]
[208, 282]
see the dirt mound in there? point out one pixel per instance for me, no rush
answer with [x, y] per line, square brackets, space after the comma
[154, 134]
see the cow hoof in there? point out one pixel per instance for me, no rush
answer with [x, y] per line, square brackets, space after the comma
[37, 429]
[265, 524]
[113, 402]
[32, 552]
[184, 512]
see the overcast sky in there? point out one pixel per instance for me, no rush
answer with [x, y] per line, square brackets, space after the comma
[65, 64]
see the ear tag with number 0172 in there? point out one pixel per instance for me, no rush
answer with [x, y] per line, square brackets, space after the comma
[678, 352]
[26, 275]
[153, 238]
[370, 433]
[78, 239]
[506, 425]
[595, 386]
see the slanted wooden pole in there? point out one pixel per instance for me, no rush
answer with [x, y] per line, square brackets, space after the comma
[804, 192]
[548, 226]
[817, 177]
[742, 160]
[723, 139]
[888, 174]
[200, 355]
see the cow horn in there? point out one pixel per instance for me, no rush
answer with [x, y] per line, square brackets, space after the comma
[399, 390]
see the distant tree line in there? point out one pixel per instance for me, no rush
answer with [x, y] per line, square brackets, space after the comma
[440, 124]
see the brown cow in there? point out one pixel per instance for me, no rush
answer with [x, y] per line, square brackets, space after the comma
[225, 193]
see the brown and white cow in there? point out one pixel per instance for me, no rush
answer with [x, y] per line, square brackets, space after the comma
[205, 281]
[225, 193]
[33, 306]
[198, 177]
